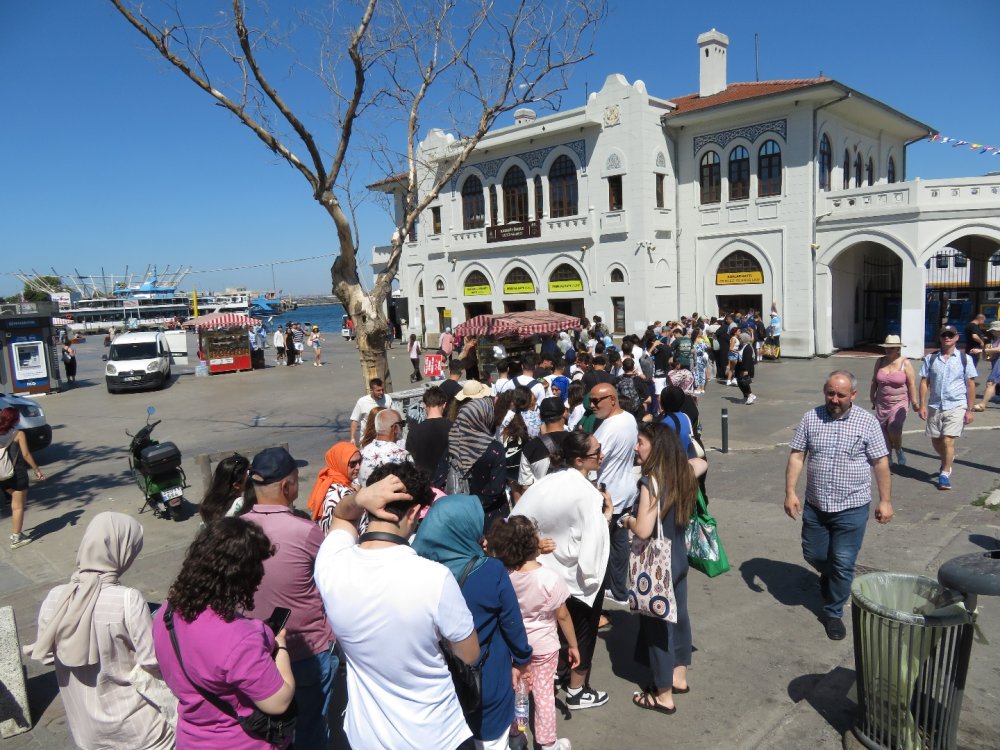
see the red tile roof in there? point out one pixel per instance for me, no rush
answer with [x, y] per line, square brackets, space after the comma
[390, 180]
[736, 92]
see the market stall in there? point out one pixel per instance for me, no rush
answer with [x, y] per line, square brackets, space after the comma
[224, 340]
[509, 335]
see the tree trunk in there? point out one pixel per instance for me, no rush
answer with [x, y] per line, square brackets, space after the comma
[370, 326]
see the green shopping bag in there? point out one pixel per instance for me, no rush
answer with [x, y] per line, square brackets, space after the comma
[704, 547]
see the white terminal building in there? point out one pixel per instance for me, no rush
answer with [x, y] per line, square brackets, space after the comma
[637, 209]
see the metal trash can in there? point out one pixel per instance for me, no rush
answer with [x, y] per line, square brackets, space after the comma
[912, 639]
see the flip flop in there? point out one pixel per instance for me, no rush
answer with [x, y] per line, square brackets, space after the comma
[648, 702]
[680, 691]
[978, 407]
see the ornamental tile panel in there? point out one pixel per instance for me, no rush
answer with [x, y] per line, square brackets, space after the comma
[750, 132]
[533, 159]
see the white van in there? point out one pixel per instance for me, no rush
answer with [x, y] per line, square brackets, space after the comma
[138, 360]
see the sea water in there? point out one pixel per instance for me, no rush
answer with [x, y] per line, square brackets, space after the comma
[327, 317]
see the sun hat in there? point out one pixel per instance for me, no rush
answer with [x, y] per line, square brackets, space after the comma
[892, 340]
[473, 389]
[994, 326]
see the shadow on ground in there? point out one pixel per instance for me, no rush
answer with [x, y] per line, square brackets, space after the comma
[829, 695]
[790, 584]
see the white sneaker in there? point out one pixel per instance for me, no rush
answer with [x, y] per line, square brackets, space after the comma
[900, 458]
[730, 382]
[19, 540]
[561, 744]
[750, 399]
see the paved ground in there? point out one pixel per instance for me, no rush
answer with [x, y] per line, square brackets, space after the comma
[764, 675]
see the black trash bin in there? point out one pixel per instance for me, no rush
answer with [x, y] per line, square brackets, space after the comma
[912, 641]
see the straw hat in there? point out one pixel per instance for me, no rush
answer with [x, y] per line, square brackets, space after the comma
[892, 340]
[994, 326]
[473, 389]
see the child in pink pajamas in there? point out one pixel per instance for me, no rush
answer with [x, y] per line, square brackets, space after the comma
[542, 596]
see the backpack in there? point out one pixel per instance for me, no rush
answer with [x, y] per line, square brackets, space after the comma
[930, 359]
[6, 459]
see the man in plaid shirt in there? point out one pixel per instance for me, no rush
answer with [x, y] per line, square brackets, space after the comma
[841, 444]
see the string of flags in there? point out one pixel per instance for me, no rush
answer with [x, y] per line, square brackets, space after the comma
[956, 142]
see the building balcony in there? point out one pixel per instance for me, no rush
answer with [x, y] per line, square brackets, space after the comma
[916, 196]
[525, 234]
[517, 230]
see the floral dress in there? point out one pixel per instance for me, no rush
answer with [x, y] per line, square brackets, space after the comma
[700, 362]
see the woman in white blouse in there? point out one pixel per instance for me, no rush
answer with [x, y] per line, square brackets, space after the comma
[99, 633]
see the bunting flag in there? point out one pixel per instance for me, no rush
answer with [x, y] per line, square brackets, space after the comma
[956, 142]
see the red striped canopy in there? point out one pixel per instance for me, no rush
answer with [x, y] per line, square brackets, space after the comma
[221, 320]
[520, 324]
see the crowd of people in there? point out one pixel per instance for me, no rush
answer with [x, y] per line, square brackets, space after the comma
[488, 528]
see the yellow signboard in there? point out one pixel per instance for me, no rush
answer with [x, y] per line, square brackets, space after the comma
[477, 291]
[743, 277]
[524, 287]
[447, 313]
[571, 285]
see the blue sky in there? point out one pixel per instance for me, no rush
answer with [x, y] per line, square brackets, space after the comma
[110, 159]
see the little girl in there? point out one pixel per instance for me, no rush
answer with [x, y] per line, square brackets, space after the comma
[542, 596]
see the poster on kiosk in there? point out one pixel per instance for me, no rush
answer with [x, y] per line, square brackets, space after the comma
[28, 364]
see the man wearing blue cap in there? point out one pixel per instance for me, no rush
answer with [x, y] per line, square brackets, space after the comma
[288, 582]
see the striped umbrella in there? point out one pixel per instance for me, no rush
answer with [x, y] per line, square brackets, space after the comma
[221, 320]
[521, 324]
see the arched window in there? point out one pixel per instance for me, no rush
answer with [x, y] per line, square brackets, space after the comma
[870, 172]
[515, 196]
[847, 169]
[473, 205]
[476, 284]
[858, 169]
[420, 289]
[562, 188]
[739, 174]
[769, 169]
[711, 178]
[565, 278]
[518, 281]
[825, 163]
[439, 285]
[493, 205]
[538, 196]
[742, 262]
[891, 173]
[617, 277]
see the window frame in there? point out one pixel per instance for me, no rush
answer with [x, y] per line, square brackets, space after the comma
[847, 169]
[890, 171]
[661, 201]
[616, 193]
[515, 196]
[564, 195]
[859, 169]
[739, 184]
[473, 204]
[769, 164]
[710, 178]
[870, 172]
[435, 219]
[825, 163]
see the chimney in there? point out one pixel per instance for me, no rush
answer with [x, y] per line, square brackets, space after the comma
[712, 54]
[524, 116]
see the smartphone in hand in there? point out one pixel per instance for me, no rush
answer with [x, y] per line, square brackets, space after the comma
[278, 619]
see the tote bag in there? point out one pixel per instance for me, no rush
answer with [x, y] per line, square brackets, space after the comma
[650, 577]
[704, 546]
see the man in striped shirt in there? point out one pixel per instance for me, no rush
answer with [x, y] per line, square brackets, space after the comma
[841, 445]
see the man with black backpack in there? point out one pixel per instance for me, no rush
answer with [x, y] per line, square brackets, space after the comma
[528, 380]
[538, 450]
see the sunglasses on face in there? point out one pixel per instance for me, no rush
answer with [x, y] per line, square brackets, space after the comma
[596, 400]
[596, 454]
[948, 335]
[354, 464]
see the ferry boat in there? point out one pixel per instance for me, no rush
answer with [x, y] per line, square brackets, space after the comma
[231, 301]
[154, 301]
[269, 303]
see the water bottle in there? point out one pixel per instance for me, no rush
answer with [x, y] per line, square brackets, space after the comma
[521, 705]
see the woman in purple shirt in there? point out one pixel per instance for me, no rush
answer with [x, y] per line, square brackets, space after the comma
[225, 654]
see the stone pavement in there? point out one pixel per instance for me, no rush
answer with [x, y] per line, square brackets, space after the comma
[764, 674]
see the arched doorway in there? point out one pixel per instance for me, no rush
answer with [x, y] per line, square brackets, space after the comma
[566, 290]
[477, 285]
[518, 282]
[963, 280]
[739, 283]
[866, 295]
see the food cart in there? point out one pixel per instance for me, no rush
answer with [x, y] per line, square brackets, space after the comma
[510, 335]
[224, 341]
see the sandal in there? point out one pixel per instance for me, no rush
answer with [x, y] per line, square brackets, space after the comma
[680, 691]
[648, 702]
[978, 407]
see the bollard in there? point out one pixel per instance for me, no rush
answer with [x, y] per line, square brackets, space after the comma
[725, 430]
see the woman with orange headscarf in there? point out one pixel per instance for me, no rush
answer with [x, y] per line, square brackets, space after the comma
[335, 481]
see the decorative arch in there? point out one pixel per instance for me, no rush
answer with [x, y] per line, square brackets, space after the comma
[614, 163]
[518, 278]
[473, 202]
[761, 258]
[472, 279]
[556, 152]
[660, 160]
[945, 239]
[564, 259]
[661, 274]
[617, 274]
[515, 193]
[880, 237]
[440, 286]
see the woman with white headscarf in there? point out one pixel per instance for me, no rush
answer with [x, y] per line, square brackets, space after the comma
[99, 633]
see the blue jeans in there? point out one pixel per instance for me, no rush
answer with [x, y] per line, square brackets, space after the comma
[616, 579]
[830, 543]
[313, 688]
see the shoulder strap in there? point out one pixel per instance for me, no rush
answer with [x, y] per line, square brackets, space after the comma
[677, 423]
[382, 536]
[548, 442]
[465, 572]
[168, 621]
[461, 582]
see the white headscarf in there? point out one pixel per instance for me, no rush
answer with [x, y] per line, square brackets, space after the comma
[110, 544]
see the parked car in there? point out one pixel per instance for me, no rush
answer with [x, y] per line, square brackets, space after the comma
[137, 361]
[36, 430]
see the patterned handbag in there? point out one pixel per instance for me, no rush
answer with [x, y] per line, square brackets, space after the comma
[650, 578]
[704, 547]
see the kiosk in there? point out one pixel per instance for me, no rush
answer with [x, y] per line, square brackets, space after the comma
[29, 360]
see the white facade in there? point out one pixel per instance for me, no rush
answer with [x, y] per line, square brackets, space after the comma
[653, 232]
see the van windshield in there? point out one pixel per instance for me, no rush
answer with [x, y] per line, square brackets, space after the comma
[136, 350]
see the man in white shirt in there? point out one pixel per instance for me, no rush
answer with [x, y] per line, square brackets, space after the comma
[503, 383]
[385, 448]
[376, 397]
[617, 435]
[527, 378]
[389, 609]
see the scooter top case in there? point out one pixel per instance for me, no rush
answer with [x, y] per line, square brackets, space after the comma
[160, 458]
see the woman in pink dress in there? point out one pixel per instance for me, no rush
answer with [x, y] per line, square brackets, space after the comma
[893, 390]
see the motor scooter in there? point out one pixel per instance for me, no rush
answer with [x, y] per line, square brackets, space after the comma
[156, 469]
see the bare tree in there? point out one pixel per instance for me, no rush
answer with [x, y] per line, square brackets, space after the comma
[384, 66]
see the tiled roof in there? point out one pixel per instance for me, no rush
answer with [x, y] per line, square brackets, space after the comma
[390, 180]
[736, 92]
